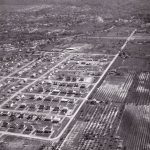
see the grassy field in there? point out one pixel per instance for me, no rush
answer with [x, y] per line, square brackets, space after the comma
[117, 7]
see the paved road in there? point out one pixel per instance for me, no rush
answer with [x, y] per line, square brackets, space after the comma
[128, 39]
[24, 135]
[3, 78]
[93, 89]
[27, 86]
[33, 113]
[136, 37]
[84, 100]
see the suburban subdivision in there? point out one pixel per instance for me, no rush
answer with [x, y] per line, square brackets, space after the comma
[73, 77]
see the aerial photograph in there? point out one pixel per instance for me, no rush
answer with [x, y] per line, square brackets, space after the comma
[74, 74]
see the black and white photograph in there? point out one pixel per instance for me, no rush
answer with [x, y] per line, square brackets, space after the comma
[74, 74]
